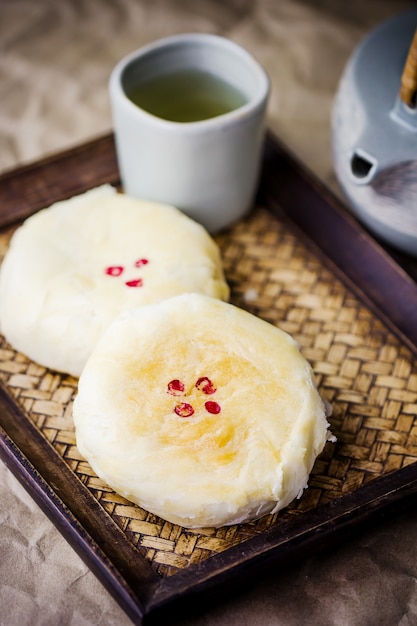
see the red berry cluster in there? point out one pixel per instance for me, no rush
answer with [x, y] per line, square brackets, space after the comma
[183, 409]
[117, 270]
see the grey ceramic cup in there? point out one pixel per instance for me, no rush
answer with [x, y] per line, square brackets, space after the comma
[209, 169]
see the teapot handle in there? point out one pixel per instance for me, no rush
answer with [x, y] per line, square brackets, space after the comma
[408, 90]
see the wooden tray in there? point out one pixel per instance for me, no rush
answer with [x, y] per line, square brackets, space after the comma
[299, 261]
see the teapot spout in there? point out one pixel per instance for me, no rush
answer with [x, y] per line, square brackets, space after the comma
[363, 167]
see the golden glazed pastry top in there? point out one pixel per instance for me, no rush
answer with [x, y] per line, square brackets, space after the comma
[73, 267]
[200, 412]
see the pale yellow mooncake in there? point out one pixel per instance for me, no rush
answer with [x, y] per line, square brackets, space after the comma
[73, 267]
[200, 412]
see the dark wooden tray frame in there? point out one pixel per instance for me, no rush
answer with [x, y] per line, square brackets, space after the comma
[357, 259]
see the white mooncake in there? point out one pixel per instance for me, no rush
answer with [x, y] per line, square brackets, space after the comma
[73, 267]
[200, 412]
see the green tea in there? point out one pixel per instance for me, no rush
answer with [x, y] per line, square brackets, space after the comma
[186, 96]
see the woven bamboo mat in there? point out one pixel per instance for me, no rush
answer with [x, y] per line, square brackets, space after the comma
[360, 366]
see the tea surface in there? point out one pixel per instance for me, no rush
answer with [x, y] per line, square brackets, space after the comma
[187, 96]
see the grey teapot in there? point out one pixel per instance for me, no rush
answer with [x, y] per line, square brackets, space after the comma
[374, 131]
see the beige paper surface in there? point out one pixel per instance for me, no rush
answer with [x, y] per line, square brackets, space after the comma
[55, 59]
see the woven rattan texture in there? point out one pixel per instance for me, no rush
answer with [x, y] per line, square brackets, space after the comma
[361, 368]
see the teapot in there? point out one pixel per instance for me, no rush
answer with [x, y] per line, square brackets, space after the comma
[374, 132]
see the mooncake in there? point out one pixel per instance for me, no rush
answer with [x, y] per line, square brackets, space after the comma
[71, 268]
[200, 412]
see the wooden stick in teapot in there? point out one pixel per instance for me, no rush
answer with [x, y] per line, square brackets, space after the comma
[408, 90]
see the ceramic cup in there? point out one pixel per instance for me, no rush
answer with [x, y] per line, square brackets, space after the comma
[208, 169]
